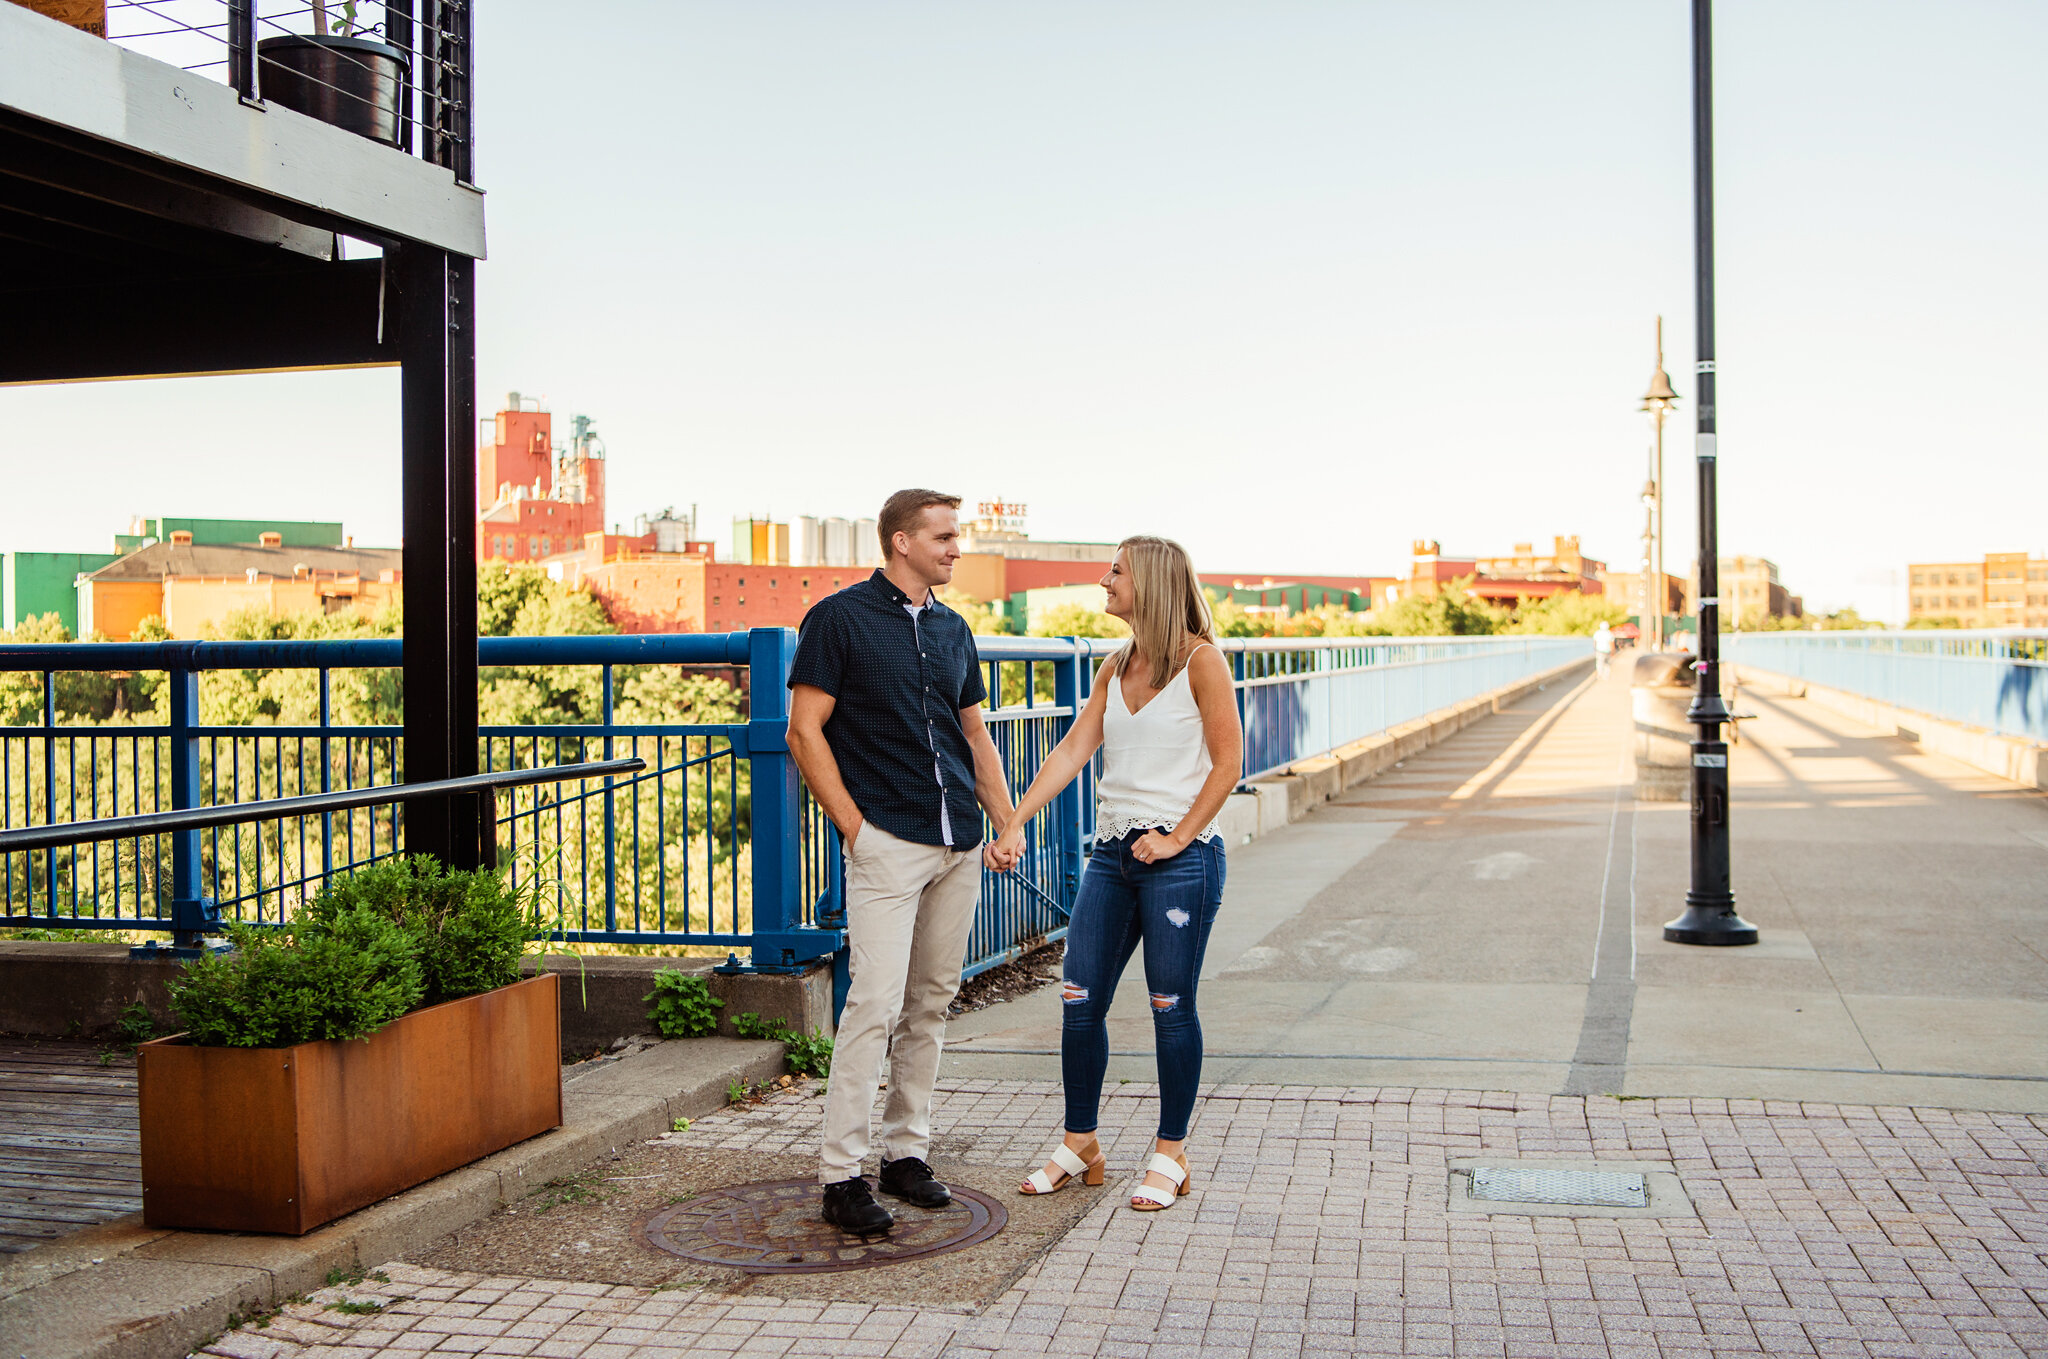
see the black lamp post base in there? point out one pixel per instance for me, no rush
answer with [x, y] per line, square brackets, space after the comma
[1712, 925]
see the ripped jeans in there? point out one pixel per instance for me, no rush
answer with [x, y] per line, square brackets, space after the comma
[1169, 907]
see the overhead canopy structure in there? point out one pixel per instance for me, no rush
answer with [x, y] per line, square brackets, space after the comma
[157, 222]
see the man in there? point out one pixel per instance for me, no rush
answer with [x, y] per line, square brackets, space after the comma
[1603, 648]
[885, 723]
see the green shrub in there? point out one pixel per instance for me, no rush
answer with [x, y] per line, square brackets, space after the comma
[683, 1006]
[809, 1054]
[471, 928]
[346, 978]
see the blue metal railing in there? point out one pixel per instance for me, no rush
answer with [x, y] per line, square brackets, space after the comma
[715, 845]
[1997, 680]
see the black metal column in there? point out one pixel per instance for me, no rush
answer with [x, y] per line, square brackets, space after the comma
[438, 379]
[1710, 916]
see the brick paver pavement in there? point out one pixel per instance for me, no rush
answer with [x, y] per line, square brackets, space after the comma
[1318, 1227]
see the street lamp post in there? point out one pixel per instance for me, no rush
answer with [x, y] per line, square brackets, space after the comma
[1658, 401]
[1709, 916]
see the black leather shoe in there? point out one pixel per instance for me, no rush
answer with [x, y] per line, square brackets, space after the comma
[911, 1180]
[851, 1208]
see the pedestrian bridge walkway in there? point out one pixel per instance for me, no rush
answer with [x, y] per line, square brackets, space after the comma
[1488, 916]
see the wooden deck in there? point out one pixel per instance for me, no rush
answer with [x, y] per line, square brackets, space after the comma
[70, 1152]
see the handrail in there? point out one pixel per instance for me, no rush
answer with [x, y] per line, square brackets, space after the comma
[376, 653]
[237, 813]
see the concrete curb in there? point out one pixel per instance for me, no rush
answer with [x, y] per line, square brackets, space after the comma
[126, 1291]
[1277, 799]
[2008, 757]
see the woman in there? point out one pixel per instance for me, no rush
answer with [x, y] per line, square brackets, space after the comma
[1164, 715]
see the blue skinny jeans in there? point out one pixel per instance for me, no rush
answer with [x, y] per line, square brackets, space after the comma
[1169, 907]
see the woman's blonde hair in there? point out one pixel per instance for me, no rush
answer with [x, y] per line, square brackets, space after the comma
[1170, 607]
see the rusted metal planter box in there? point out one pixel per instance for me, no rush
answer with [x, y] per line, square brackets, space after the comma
[285, 1139]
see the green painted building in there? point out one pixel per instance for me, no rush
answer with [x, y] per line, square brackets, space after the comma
[226, 532]
[36, 583]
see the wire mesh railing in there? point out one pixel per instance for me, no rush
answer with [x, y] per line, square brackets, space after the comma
[399, 72]
[1993, 679]
[713, 846]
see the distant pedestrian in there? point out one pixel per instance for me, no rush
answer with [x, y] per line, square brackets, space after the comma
[885, 724]
[1603, 648]
[1165, 717]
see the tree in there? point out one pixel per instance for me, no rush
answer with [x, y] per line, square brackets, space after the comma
[524, 601]
[983, 620]
[1235, 620]
[1567, 615]
[1454, 612]
[1077, 620]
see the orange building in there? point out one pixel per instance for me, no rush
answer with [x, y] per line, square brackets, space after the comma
[2004, 590]
[195, 587]
[644, 590]
[1521, 575]
[537, 502]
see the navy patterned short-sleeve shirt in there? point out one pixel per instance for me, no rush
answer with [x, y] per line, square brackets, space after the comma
[900, 684]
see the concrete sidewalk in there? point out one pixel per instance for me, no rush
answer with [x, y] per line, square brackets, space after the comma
[1489, 914]
[1320, 1224]
[1460, 960]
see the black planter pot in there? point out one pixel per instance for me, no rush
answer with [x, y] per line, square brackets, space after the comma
[353, 83]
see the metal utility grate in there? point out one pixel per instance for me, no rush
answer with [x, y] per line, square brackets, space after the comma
[1590, 1188]
[774, 1228]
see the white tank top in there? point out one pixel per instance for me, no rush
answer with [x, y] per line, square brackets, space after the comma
[1154, 761]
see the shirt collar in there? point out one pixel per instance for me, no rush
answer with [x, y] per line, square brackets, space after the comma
[881, 581]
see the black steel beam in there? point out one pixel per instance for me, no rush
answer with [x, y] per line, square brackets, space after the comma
[438, 398]
[226, 320]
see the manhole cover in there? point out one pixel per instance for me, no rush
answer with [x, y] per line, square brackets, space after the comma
[1592, 1188]
[774, 1228]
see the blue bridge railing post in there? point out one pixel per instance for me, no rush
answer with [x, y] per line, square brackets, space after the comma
[782, 942]
[192, 914]
[1066, 807]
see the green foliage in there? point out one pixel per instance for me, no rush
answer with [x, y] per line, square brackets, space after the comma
[683, 1006]
[1925, 621]
[1234, 620]
[587, 1187]
[1077, 620]
[344, 978]
[470, 929]
[810, 1054]
[82, 696]
[1569, 614]
[356, 1309]
[735, 1092]
[268, 697]
[983, 620]
[1454, 612]
[136, 1025]
[377, 943]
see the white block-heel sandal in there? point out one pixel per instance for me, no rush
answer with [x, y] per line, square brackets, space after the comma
[1071, 1164]
[1149, 1198]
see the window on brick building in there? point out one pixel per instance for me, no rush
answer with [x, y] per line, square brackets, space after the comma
[716, 600]
[807, 582]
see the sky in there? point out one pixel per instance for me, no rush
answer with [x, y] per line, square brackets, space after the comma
[1294, 282]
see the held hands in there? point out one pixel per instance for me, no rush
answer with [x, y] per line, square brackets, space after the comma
[1007, 850]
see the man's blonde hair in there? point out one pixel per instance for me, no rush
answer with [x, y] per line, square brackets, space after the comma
[902, 512]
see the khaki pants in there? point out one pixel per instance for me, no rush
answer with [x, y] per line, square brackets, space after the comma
[909, 909]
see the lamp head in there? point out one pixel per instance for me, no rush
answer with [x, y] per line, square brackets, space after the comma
[1660, 390]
